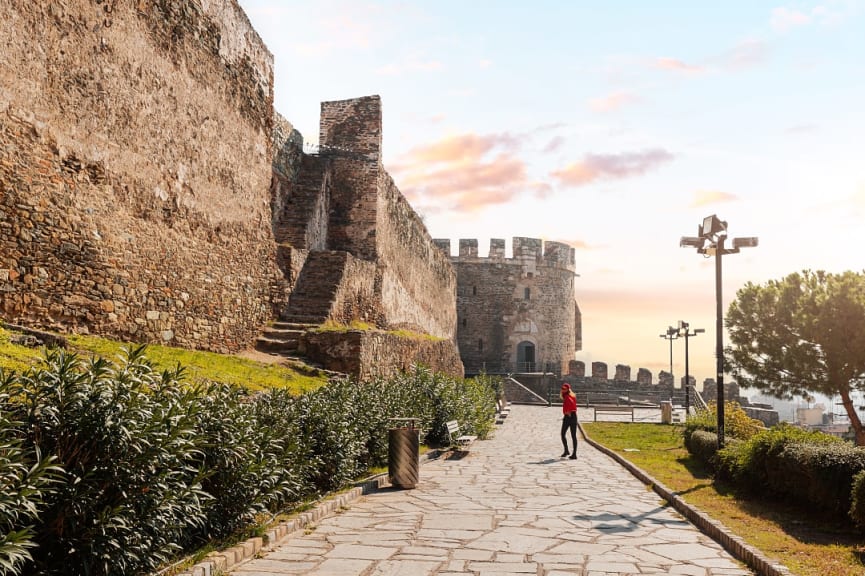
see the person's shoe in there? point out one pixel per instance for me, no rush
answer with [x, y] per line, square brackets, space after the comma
[565, 453]
[574, 455]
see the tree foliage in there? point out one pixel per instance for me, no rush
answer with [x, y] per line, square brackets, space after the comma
[800, 335]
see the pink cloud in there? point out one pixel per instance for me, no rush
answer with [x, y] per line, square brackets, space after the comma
[466, 172]
[409, 65]
[610, 166]
[707, 197]
[612, 102]
[675, 65]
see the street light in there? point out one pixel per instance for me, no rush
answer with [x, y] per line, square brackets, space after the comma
[684, 326]
[711, 235]
[671, 334]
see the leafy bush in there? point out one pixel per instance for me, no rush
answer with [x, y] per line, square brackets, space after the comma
[25, 482]
[147, 465]
[857, 500]
[243, 463]
[125, 438]
[703, 445]
[761, 463]
[737, 423]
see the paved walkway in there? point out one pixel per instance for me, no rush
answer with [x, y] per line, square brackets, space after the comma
[511, 506]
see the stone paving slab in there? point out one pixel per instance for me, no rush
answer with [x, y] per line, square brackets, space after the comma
[510, 507]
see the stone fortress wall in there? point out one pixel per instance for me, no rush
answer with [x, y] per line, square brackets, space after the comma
[148, 190]
[135, 169]
[516, 314]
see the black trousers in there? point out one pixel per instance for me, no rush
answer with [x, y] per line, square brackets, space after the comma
[569, 422]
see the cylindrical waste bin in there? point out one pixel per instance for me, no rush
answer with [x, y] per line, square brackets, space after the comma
[666, 412]
[403, 443]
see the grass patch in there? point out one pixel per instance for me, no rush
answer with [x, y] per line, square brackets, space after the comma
[199, 365]
[804, 541]
[357, 325]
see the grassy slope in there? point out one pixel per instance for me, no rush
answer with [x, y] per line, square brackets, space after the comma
[199, 365]
[804, 542]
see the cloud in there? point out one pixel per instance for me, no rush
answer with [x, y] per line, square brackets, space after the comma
[577, 244]
[554, 144]
[746, 54]
[610, 166]
[784, 19]
[410, 64]
[466, 172]
[484, 63]
[612, 102]
[707, 197]
[674, 65]
[802, 129]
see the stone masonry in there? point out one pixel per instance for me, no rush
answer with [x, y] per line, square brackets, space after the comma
[134, 171]
[516, 314]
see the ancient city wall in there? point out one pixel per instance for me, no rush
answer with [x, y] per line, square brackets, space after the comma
[506, 305]
[353, 206]
[135, 170]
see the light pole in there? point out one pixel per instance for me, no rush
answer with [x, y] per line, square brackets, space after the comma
[671, 334]
[711, 235]
[687, 333]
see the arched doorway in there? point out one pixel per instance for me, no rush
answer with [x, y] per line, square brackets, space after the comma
[525, 356]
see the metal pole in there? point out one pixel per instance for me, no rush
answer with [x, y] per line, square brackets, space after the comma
[670, 334]
[719, 335]
[687, 375]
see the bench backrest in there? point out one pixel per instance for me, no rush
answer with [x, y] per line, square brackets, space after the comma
[453, 427]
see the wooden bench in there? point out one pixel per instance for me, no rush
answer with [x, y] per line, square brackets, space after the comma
[461, 442]
[503, 409]
[615, 410]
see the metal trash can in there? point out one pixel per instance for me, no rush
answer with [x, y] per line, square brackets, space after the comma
[666, 412]
[403, 460]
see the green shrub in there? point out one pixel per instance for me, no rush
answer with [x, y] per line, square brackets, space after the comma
[729, 462]
[703, 445]
[26, 480]
[737, 423]
[761, 463]
[857, 500]
[820, 474]
[125, 438]
[243, 462]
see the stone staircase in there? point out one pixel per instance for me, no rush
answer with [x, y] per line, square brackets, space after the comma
[283, 338]
[313, 295]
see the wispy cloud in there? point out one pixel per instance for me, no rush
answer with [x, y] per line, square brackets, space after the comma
[708, 197]
[746, 54]
[612, 102]
[610, 166]
[484, 63]
[802, 129]
[466, 172]
[784, 19]
[675, 65]
[555, 143]
[410, 64]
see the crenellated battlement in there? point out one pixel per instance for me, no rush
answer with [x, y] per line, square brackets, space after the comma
[525, 251]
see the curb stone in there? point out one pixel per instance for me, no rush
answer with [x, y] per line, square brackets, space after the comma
[715, 530]
[220, 562]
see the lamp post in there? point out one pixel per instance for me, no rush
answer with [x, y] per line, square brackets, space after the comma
[687, 333]
[711, 235]
[671, 334]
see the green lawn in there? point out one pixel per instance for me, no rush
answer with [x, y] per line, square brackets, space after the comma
[199, 365]
[804, 541]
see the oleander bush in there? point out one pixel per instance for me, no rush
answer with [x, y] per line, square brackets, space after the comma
[125, 438]
[702, 444]
[857, 500]
[112, 468]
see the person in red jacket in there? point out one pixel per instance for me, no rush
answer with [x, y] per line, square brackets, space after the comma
[569, 419]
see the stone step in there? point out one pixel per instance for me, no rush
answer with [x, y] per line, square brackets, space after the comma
[301, 326]
[283, 333]
[265, 344]
[297, 318]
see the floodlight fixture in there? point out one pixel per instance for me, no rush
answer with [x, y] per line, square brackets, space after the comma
[745, 242]
[691, 242]
[712, 225]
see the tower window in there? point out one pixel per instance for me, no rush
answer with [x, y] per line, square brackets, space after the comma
[474, 290]
[480, 344]
[464, 322]
[527, 294]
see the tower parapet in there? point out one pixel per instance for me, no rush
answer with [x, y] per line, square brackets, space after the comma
[530, 252]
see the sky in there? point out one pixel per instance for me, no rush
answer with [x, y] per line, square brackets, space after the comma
[613, 126]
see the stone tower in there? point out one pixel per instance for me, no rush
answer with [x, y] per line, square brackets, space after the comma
[519, 314]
